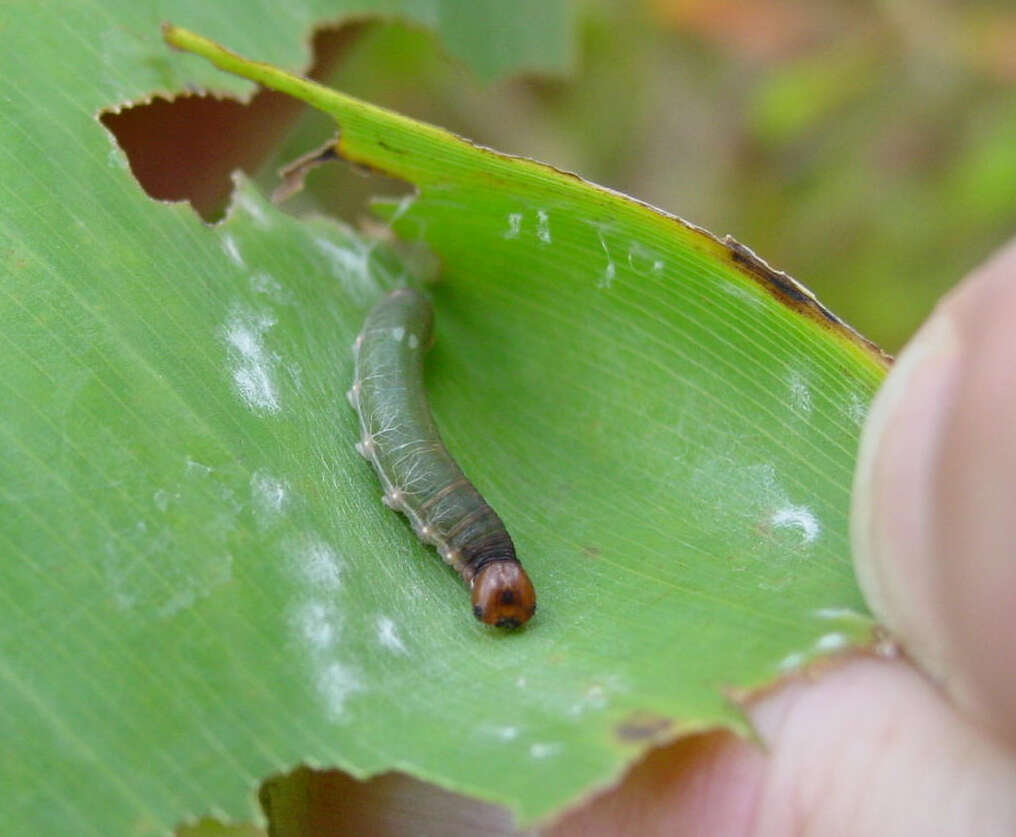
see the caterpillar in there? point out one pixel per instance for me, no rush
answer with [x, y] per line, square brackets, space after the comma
[399, 438]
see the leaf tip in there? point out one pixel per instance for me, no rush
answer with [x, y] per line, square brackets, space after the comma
[169, 33]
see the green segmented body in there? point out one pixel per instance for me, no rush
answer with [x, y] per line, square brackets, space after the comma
[399, 438]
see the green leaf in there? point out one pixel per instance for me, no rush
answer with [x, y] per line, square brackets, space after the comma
[201, 586]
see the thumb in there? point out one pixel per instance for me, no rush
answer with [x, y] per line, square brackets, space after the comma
[934, 505]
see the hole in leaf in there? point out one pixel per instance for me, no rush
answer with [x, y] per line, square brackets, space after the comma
[186, 148]
[306, 801]
[309, 801]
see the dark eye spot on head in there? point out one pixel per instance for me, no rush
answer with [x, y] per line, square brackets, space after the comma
[478, 612]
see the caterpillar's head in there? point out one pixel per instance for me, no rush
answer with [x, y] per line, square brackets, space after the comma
[503, 595]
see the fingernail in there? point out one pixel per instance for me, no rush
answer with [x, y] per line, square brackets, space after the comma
[892, 499]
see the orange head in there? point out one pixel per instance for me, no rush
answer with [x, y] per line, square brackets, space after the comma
[503, 595]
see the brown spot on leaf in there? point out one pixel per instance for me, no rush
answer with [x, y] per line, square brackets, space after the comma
[640, 727]
[779, 281]
[794, 295]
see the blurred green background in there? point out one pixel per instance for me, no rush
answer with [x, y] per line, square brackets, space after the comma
[868, 149]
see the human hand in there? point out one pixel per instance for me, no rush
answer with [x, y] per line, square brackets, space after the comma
[925, 745]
